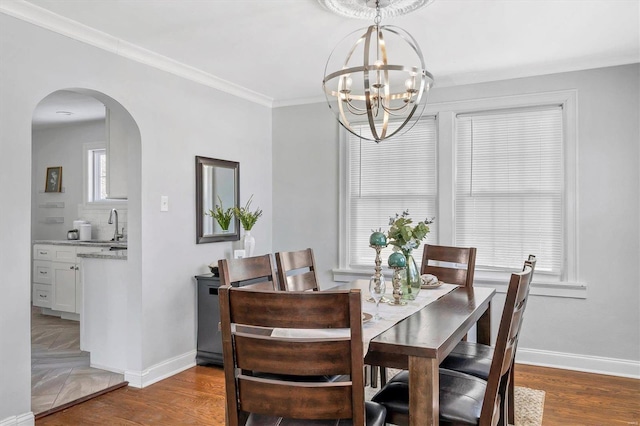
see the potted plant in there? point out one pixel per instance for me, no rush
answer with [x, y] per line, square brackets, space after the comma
[248, 219]
[405, 237]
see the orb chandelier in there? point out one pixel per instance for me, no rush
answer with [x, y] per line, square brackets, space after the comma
[376, 76]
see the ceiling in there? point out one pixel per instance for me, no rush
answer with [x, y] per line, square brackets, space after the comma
[277, 49]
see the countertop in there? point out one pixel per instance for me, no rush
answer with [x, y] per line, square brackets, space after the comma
[89, 243]
[111, 255]
[105, 244]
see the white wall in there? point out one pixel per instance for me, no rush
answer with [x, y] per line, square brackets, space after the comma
[305, 184]
[599, 333]
[178, 120]
[59, 146]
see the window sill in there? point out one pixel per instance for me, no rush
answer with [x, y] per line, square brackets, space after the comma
[569, 290]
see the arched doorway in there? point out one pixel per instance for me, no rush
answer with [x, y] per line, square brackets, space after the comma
[86, 137]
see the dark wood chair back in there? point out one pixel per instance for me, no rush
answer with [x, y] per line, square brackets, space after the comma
[259, 270]
[266, 375]
[450, 255]
[297, 270]
[495, 405]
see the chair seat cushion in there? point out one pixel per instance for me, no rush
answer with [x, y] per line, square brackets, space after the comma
[375, 416]
[461, 397]
[471, 358]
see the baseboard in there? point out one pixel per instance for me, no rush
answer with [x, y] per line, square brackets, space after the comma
[27, 419]
[105, 368]
[155, 373]
[576, 362]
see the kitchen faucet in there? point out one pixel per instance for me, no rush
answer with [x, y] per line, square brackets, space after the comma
[116, 236]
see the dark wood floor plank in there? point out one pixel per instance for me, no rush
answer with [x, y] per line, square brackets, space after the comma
[196, 397]
[586, 399]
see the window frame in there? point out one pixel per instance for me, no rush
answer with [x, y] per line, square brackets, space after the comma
[108, 203]
[568, 284]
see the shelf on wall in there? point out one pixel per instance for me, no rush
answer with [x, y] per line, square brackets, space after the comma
[52, 220]
[52, 205]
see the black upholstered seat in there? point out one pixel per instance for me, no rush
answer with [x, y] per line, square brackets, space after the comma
[461, 398]
[471, 358]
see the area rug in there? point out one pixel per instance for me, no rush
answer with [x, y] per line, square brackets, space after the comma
[529, 403]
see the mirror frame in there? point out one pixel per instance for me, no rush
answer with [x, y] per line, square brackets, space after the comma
[200, 163]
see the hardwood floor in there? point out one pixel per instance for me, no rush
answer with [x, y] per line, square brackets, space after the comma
[196, 397]
[576, 398]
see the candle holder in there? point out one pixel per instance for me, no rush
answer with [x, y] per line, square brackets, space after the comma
[378, 270]
[397, 288]
[378, 241]
[397, 262]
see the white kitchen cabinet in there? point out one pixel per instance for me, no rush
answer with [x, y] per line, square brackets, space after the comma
[118, 137]
[63, 287]
[57, 282]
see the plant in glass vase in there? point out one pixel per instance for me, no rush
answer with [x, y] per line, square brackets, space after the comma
[405, 237]
[248, 218]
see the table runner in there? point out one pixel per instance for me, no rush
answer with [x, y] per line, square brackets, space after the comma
[390, 315]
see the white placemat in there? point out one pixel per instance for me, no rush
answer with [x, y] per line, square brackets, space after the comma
[390, 315]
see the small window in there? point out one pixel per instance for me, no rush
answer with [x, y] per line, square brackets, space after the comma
[96, 175]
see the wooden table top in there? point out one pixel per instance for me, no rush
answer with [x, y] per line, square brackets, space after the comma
[433, 331]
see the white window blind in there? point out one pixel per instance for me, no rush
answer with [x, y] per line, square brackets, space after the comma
[387, 178]
[510, 187]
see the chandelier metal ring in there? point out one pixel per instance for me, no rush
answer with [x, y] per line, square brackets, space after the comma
[390, 95]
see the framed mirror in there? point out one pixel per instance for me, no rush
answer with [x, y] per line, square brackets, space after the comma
[217, 185]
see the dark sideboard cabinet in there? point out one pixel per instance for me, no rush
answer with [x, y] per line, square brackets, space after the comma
[209, 349]
[209, 346]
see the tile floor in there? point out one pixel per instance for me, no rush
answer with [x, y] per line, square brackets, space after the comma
[60, 371]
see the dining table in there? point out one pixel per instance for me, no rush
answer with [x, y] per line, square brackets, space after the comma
[419, 342]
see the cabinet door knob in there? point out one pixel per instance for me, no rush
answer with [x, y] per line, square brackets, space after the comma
[72, 267]
[77, 268]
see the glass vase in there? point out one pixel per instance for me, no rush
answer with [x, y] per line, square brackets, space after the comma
[410, 279]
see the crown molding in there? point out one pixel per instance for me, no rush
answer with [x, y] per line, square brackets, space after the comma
[43, 18]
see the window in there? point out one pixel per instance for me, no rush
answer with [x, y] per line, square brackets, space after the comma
[510, 187]
[387, 178]
[95, 173]
[498, 174]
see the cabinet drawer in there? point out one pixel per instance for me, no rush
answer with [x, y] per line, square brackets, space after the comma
[43, 252]
[42, 271]
[42, 295]
[64, 254]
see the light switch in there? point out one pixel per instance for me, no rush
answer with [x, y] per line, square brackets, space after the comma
[164, 203]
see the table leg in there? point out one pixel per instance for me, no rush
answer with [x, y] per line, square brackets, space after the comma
[484, 327]
[424, 389]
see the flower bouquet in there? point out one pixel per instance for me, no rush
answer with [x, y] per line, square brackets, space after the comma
[405, 237]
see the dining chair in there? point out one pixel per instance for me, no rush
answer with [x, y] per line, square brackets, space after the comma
[266, 375]
[475, 358]
[465, 399]
[297, 270]
[444, 262]
[251, 272]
